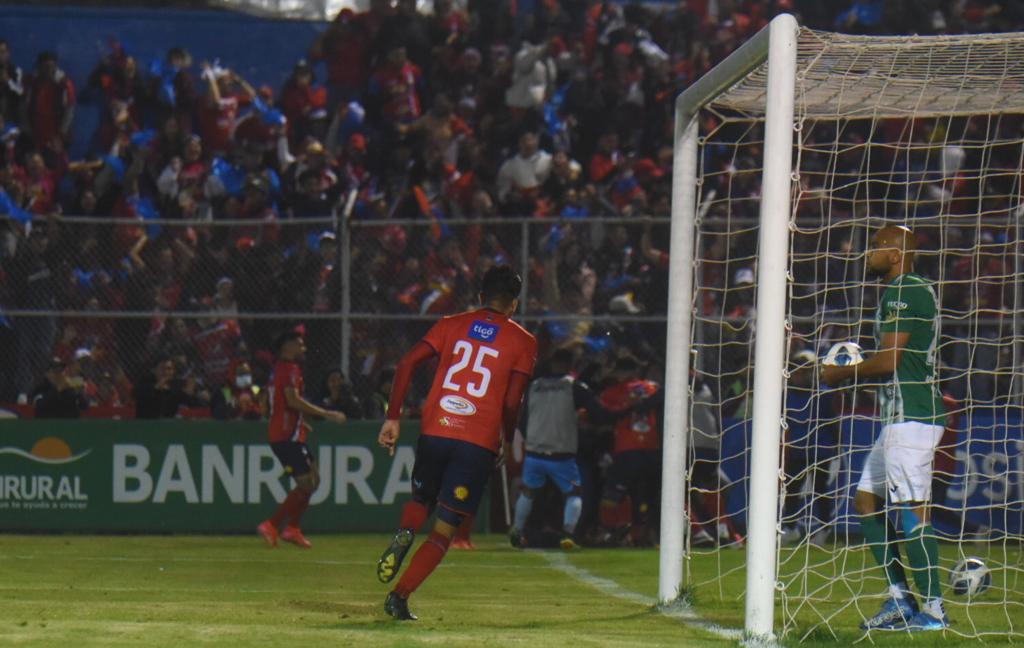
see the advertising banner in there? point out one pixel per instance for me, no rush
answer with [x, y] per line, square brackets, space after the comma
[987, 484]
[190, 476]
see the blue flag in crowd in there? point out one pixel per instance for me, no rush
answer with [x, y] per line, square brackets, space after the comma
[12, 210]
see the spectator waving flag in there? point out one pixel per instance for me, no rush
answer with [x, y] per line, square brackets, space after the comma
[146, 209]
[229, 176]
[164, 74]
[438, 230]
[11, 209]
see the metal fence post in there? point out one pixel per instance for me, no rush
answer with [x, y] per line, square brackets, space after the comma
[345, 265]
[524, 264]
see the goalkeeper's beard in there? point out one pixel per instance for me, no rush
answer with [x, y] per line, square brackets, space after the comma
[876, 272]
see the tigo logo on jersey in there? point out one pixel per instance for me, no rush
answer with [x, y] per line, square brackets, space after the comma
[457, 405]
[483, 331]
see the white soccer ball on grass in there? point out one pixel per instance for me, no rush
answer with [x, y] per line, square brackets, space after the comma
[970, 577]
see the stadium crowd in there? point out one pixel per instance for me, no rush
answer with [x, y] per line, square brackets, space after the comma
[206, 200]
[559, 110]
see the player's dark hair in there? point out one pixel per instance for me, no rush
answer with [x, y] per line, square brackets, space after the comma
[285, 338]
[501, 284]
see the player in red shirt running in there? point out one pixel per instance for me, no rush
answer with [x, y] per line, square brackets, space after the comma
[485, 363]
[287, 435]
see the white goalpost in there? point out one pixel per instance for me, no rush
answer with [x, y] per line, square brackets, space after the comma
[788, 154]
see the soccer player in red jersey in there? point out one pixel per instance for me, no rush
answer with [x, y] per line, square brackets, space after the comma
[636, 457]
[287, 435]
[485, 363]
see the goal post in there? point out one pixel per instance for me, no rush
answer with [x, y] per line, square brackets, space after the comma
[769, 355]
[789, 96]
[775, 44]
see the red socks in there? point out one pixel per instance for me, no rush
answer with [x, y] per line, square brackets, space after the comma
[426, 558]
[465, 529]
[300, 507]
[292, 508]
[414, 515]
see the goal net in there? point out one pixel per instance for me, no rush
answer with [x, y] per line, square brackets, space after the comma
[926, 132]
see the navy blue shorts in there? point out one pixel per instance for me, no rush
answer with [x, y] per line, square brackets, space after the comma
[294, 456]
[452, 473]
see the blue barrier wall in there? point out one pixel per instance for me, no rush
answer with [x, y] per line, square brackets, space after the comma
[261, 50]
[989, 470]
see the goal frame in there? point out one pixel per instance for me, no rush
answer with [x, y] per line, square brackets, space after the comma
[777, 44]
[760, 80]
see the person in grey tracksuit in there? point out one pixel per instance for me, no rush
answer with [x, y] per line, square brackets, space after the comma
[549, 424]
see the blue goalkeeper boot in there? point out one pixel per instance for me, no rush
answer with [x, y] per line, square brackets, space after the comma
[925, 621]
[894, 615]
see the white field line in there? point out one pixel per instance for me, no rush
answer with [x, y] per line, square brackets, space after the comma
[679, 611]
[169, 559]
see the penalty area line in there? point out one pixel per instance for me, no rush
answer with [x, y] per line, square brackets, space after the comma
[679, 611]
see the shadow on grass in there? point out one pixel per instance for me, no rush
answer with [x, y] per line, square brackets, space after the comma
[385, 624]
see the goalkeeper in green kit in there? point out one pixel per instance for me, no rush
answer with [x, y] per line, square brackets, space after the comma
[899, 465]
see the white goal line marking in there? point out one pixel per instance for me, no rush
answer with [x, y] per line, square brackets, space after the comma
[678, 611]
[369, 563]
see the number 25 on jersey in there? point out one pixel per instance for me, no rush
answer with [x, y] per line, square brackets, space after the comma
[480, 376]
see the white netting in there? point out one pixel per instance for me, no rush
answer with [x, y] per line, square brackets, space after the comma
[895, 76]
[885, 134]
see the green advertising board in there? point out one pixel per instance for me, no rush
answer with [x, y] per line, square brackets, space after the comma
[190, 476]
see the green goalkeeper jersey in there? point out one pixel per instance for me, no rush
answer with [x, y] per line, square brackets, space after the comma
[908, 304]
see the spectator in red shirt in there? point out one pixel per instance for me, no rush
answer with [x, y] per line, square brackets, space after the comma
[49, 106]
[343, 49]
[607, 159]
[40, 185]
[449, 280]
[226, 92]
[301, 101]
[217, 344]
[395, 87]
[123, 92]
[354, 170]
[238, 397]
[181, 182]
[107, 397]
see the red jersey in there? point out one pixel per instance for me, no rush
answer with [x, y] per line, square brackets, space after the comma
[286, 423]
[478, 351]
[637, 430]
[217, 122]
[398, 92]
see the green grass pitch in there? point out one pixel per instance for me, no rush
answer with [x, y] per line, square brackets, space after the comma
[232, 591]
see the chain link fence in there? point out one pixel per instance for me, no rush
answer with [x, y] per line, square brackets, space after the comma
[112, 300]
